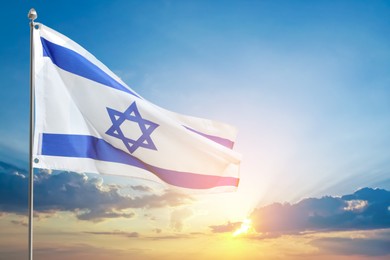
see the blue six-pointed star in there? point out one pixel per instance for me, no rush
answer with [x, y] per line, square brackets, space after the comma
[132, 114]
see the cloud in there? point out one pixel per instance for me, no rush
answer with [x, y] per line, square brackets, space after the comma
[141, 188]
[157, 230]
[138, 235]
[101, 213]
[13, 189]
[228, 227]
[365, 209]
[178, 217]
[170, 237]
[19, 222]
[116, 233]
[88, 198]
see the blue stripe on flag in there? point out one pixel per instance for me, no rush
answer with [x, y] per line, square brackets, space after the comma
[83, 146]
[222, 141]
[77, 64]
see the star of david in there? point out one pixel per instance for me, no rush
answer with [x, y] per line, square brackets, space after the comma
[131, 114]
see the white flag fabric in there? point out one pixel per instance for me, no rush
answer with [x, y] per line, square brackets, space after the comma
[88, 120]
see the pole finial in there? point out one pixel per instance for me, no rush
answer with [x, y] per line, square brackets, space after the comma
[32, 14]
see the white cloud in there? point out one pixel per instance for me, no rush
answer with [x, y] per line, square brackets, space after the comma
[355, 205]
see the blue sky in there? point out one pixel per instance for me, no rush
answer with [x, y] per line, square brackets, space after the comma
[306, 83]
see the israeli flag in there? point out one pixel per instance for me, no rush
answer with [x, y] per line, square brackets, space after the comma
[88, 120]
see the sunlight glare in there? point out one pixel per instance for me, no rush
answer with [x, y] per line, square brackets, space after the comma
[245, 227]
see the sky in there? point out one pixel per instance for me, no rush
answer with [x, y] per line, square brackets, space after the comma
[306, 83]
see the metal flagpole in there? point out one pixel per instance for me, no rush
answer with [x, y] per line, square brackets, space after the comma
[32, 15]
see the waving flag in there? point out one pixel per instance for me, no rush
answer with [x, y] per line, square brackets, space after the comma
[88, 120]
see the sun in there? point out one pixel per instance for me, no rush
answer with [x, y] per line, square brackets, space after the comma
[245, 227]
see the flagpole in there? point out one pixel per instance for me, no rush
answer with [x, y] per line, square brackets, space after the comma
[32, 15]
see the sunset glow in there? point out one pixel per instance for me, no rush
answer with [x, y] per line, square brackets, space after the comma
[244, 228]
